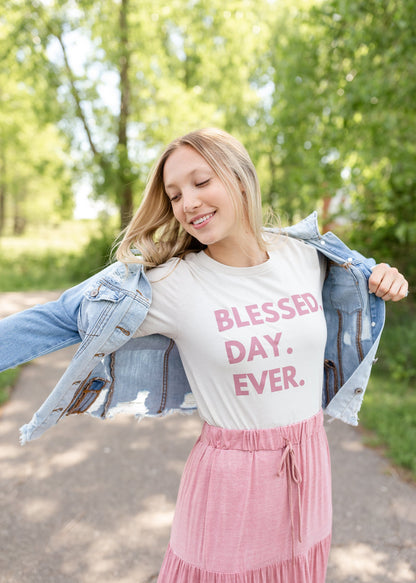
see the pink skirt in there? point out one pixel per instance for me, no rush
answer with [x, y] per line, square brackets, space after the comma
[254, 506]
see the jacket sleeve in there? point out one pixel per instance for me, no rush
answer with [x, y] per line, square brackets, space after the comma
[40, 329]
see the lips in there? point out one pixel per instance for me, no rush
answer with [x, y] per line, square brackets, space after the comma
[201, 220]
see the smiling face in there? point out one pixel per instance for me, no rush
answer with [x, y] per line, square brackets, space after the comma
[200, 201]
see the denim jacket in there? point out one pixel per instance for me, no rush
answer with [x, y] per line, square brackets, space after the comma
[113, 373]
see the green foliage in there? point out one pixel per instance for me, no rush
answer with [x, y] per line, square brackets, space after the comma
[149, 71]
[390, 403]
[34, 178]
[31, 271]
[320, 92]
[398, 347]
[369, 94]
[7, 380]
[390, 411]
[51, 260]
[93, 257]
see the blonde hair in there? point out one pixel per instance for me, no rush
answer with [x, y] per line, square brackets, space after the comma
[155, 232]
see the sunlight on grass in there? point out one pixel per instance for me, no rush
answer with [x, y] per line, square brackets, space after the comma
[54, 257]
[7, 380]
[69, 236]
[389, 407]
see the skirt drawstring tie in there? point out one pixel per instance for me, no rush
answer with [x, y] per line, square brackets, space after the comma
[293, 473]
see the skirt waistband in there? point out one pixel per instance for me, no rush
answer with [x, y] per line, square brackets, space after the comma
[261, 439]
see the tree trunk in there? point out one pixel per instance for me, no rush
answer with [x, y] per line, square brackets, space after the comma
[2, 191]
[125, 193]
[19, 221]
[273, 180]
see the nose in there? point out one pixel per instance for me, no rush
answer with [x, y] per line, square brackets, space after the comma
[190, 200]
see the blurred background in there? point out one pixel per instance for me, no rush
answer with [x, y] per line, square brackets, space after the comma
[321, 93]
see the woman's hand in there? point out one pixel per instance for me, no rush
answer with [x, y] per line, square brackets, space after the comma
[387, 283]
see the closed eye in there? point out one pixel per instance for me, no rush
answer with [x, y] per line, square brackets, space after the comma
[204, 183]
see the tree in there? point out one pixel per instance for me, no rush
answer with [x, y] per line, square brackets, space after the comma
[167, 68]
[34, 178]
[340, 119]
[320, 92]
[371, 68]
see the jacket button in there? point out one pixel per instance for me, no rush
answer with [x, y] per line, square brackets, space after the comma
[358, 391]
[94, 293]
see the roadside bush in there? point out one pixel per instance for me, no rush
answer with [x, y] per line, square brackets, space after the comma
[398, 344]
[389, 407]
[54, 269]
[7, 380]
[93, 257]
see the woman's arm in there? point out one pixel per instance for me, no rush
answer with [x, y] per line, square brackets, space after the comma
[387, 283]
[41, 329]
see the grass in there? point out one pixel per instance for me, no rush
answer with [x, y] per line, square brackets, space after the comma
[389, 408]
[67, 237]
[7, 380]
[54, 258]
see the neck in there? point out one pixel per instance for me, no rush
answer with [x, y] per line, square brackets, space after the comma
[236, 255]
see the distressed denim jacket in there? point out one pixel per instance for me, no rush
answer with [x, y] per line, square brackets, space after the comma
[113, 373]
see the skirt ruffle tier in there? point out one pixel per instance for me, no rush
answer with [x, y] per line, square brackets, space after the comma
[303, 569]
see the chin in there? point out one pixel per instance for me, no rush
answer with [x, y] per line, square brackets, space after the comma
[203, 239]
[207, 241]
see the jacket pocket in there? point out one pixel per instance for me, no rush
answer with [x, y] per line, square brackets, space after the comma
[99, 291]
[344, 289]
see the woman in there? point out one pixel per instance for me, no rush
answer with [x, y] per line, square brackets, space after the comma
[234, 314]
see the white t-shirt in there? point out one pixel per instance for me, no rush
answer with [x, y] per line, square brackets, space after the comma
[251, 339]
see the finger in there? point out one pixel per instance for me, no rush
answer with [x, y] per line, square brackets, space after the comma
[383, 279]
[378, 273]
[397, 290]
[389, 295]
[393, 288]
[402, 293]
[387, 283]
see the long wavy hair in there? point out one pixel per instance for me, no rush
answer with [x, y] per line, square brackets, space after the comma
[155, 232]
